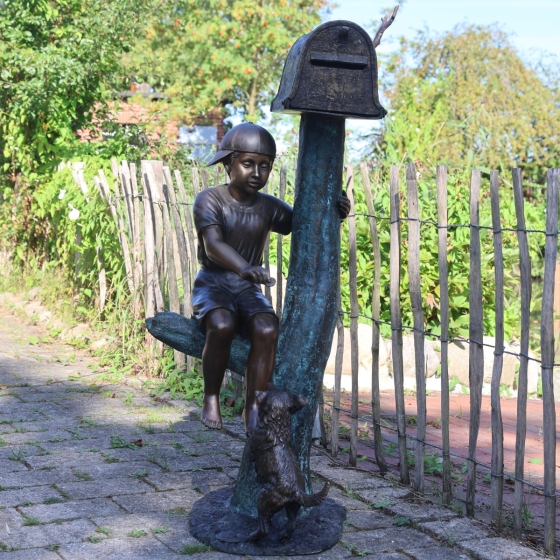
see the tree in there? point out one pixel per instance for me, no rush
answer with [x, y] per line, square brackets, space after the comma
[57, 60]
[206, 53]
[466, 95]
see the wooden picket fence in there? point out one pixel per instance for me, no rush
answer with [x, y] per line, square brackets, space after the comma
[159, 243]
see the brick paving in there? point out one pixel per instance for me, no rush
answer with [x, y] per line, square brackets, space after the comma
[102, 471]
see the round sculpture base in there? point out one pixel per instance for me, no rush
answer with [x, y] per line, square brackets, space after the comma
[214, 522]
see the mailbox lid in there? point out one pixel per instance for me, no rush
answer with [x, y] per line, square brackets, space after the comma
[332, 70]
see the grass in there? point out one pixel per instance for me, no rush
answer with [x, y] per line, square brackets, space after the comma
[110, 459]
[95, 539]
[53, 500]
[195, 548]
[31, 521]
[137, 533]
[104, 531]
[354, 550]
[82, 475]
[3, 442]
[140, 474]
[160, 530]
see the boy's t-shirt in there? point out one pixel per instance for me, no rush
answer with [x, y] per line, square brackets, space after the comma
[244, 228]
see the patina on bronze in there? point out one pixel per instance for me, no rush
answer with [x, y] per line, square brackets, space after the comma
[277, 468]
[337, 60]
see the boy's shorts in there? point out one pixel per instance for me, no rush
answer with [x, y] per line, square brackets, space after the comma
[214, 289]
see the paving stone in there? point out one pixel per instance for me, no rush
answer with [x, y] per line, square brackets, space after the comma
[7, 466]
[36, 477]
[423, 511]
[498, 549]
[129, 548]
[33, 554]
[104, 488]
[436, 553]
[393, 539]
[347, 478]
[200, 480]
[367, 520]
[42, 437]
[454, 530]
[72, 510]
[346, 501]
[386, 494]
[64, 460]
[27, 451]
[71, 531]
[172, 530]
[12, 498]
[105, 470]
[159, 501]
[187, 463]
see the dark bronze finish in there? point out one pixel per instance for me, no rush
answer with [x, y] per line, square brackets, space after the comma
[245, 137]
[332, 70]
[275, 462]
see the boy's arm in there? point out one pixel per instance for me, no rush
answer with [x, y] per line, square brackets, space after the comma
[224, 255]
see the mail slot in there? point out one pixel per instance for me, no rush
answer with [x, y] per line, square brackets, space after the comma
[332, 70]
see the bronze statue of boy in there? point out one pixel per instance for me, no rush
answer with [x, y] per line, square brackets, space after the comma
[232, 222]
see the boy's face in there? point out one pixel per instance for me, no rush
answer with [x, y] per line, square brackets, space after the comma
[249, 173]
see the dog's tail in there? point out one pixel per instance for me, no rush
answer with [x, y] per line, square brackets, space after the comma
[310, 500]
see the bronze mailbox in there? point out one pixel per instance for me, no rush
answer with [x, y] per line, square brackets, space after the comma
[332, 70]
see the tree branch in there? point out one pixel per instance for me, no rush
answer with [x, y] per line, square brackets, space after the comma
[385, 24]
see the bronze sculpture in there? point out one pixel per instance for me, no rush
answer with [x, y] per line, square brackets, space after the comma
[232, 223]
[277, 468]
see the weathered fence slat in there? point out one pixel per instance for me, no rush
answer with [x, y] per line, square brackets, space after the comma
[375, 333]
[396, 322]
[153, 298]
[205, 178]
[497, 468]
[441, 185]
[124, 176]
[138, 218]
[476, 355]
[418, 317]
[525, 267]
[173, 290]
[280, 279]
[190, 233]
[195, 181]
[181, 243]
[335, 418]
[109, 196]
[547, 356]
[354, 311]
[266, 259]
[217, 175]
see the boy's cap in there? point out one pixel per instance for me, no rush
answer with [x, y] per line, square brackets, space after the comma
[245, 137]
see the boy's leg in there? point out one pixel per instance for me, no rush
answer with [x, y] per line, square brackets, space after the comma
[262, 330]
[220, 328]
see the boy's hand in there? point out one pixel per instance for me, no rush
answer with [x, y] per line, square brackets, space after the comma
[258, 275]
[344, 206]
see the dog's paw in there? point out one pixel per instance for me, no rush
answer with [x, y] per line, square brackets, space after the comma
[257, 535]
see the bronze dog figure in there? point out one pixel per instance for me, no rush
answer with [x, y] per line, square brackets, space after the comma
[275, 462]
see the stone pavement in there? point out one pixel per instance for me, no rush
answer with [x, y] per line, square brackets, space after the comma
[103, 471]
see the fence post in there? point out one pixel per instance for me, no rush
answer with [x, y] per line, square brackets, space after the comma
[354, 310]
[280, 279]
[547, 356]
[396, 322]
[497, 468]
[525, 266]
[418, 317]
[441, 184]
[476, 355]
[375, 334]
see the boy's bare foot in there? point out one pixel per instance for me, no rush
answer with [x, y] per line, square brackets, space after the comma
[251, 417]
[211, 415]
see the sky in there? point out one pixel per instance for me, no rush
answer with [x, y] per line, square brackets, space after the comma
[533, 25]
